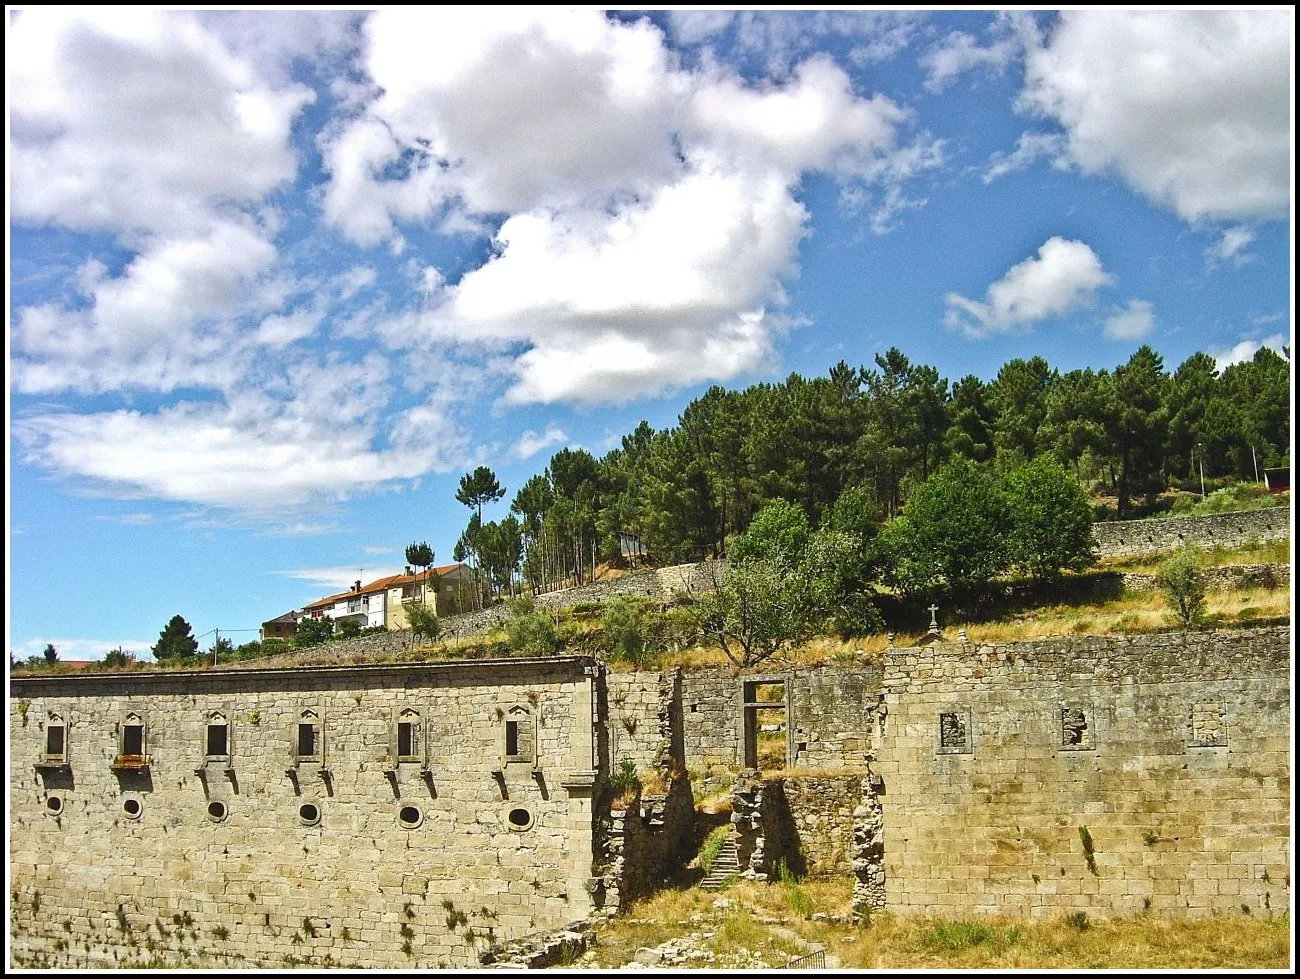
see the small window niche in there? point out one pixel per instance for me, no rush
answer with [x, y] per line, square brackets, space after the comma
[55, 748]
[406, 740]
[519, 737]
[1209, 728]
[1076, 730]
[217, 752]
[955, 732]
[307, 741]
[132, 743]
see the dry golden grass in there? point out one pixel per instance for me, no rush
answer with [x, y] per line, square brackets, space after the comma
[890, 942]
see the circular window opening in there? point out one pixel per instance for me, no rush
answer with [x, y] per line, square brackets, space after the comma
[217, 811]
[133, 808]
[410, 816]
[309, 814]
[520, 819]
[54, 805]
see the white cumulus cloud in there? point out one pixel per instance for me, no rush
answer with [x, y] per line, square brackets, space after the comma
[530, 442]
[1131, 322]
[1190, 108]
[1245, 350]
[648, 212]
[1064, 276]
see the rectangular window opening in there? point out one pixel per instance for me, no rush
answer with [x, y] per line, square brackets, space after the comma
[54, 741]
[405, 740]
[133, 740]
[306, 740]
[512, 738]
[218, 741]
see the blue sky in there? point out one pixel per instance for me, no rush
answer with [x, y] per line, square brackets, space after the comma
[278, 279]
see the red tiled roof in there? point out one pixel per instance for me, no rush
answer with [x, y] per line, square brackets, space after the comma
[382, 584]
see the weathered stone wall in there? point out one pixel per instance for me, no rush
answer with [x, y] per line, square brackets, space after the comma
[1117, 538]
[93, 887]
[1225, 577]
[647, 841]
[821, 814]
[1178, 778]
[834, 714]
[711, 717]
[635, 704]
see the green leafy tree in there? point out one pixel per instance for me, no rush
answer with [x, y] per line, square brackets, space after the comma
[423, 620]
[856, 513]
[759, 608]
[625, 630]
[779, 531]
[529, 632]
[970, 421]
[221, 648]
[1051, 520]
[1018, 397]
[1182, 583]
[348, 628]
[955, 534]
[313, 632]
[1137, 424]
[176, 642]
[51, 654]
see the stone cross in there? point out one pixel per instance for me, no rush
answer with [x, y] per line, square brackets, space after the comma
[934, 624]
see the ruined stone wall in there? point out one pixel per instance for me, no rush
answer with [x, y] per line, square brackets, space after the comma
[1117, 538]
[1118, 775]
[1225, 577]
[185, 883]
[635, 703]
[821, 814]
[834, 714]
[647, 841]
[711, 717]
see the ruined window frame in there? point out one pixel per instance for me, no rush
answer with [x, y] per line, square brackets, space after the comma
[1089, 742]
[524, 719]
[963, 715]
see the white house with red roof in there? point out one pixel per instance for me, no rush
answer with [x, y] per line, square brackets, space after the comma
[380, 603]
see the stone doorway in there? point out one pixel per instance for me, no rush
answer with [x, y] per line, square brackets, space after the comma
[766, 732]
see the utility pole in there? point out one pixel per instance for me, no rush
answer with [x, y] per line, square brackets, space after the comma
[216, 645]
[1255, 461]
[1200, 461]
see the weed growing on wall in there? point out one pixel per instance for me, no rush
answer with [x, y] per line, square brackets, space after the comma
[1088, 854]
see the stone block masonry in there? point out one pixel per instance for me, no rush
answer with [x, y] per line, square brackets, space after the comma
[1122, 538]
[1116, 775]
[310, 830]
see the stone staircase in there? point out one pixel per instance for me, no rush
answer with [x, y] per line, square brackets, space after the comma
[725, 866]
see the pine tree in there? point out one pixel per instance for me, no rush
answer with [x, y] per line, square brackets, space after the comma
[176, 642]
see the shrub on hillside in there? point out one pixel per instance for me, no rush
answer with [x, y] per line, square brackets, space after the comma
[1182, 583]
[529, 632]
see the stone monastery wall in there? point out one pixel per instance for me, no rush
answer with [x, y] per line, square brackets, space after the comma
[265, 859]
[1107, 774]
[1118, 774]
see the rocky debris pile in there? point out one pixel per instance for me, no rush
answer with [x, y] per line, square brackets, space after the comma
[700, 947]
[562, 947]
